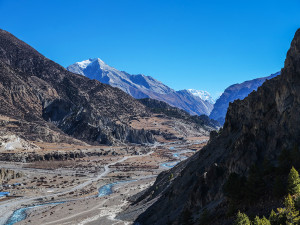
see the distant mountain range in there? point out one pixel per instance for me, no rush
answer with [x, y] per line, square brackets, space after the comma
[141, 86]
[234, 92]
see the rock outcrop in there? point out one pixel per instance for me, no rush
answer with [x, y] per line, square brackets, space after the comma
[6, 175]
[257, 130]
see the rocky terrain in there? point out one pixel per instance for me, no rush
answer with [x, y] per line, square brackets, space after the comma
[42, 101]
[6, 175]
[66, 140]
[257, 132]
[141, 86]
[160, 107]
[234, 92]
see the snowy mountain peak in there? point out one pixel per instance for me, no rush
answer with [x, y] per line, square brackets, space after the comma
[140, 86]
[204, 95]
[84, 64]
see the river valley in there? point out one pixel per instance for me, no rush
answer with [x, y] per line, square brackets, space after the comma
[91, 189]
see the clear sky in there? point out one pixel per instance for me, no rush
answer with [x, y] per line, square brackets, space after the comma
[205, 45]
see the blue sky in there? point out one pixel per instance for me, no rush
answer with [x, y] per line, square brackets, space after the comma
[205, 45]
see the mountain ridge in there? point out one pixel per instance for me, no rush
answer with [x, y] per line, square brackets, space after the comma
[141, 86]
[234, 92]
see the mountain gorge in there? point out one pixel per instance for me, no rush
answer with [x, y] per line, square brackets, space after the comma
[260, 130]
[141, 86]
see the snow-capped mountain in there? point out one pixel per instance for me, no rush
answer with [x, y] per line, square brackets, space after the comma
[204, 95]
[141, 86]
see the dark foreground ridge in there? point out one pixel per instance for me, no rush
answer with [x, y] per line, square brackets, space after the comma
[255, 149]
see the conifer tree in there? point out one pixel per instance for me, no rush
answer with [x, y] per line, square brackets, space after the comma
[242, 219]
[273, 218]
[293, 182]
[262, 221]
[256, 221]
[292, 215]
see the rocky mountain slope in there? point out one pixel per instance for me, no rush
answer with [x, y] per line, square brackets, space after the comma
[160, 107]
[259, 134]
[42, 101]
[234, 92]
[141, 86]
[34, 89]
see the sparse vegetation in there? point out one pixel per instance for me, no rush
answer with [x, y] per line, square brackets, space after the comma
[288, 215]
[242, 219]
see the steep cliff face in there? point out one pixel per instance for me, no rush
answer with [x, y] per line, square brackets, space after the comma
[234, 92]
[256, 129]
[34, 89]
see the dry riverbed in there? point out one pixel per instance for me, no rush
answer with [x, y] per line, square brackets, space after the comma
[78, 186]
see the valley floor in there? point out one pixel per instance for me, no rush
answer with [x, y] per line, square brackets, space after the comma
[90, 189]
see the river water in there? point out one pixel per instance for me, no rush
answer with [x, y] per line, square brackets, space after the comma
[21, 214]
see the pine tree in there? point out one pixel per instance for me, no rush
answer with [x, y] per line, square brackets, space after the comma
[293, 182]
[256, 221]
[273, 218]
[292, 215]
[262, 221]
[242, 219]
